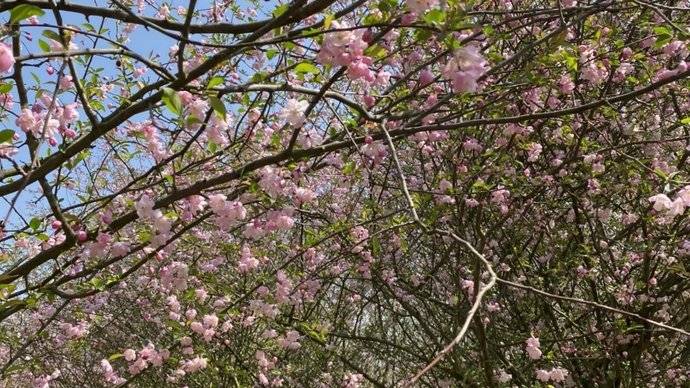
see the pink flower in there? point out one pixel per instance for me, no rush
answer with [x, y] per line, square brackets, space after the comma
[197, 327]
[303, 195]
[163, 12]
[444, 185]
[210, 321]
[533, 348]
[290, 341]
[6, 101]
[425, 77]
[70, 113]
[7, 151]
[195, 365]
[120, 249]
[594, 73]
[293, 112]
[346, 48]
[247, 261]
[6, 58]
[421, 6]
[66, 82]
[465, 69]
[26, 120]
[360, 69]
[558, 375]
[130, 355]
[533, 152]
[543, 375]
[227, 212]
[566, 84]
[661, 202]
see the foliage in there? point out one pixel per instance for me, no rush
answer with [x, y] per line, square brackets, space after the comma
[344, 193]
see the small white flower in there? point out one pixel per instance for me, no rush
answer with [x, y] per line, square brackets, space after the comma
[293, 112]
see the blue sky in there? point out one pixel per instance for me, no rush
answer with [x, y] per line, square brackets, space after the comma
[145, 42]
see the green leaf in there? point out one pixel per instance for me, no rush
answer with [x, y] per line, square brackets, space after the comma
[52, 35]
[685, 120]
[24, 11]
[289, 46]
[349, 168]
[435, 16]
[6, 87]
[328, 20]
[306, 67]
[280, 10]
[172, 101]
[98, 283]
[35, 223]
[216, 81]
[259, 76]
[376, 51]
[271, 53]
[662, 30]
[218, 106]
[387, 5]
[6, 135]
[44, 46]
[144, 236]
[422, 35]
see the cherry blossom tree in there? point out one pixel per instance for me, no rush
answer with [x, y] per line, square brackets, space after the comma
[350, 193]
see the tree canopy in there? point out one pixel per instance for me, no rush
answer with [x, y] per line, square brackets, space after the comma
[349, 193]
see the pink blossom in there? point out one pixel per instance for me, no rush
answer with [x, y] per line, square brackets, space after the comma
[120, 249]
[303, 195]
[66, 82]
[70, 113]
[293, 112]
[247, 261]
[227, 212]
[533, 348]
[26, 120]
[425, 77]
[195, 365]
[661, 202]
[163, 12]
[421, 6]
[543, 375]
[465, 68]
[109, 374]
[210, 321]
[290, 341]
[7, 150]
[558, 375]
[6, 58]
[129, 354]
[533, 151]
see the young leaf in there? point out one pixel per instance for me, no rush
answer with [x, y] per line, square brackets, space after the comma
[306, 67]
[5, 88]
[6, 135]
[24, 11]
[172, 101]
[35, 223]
[43, 45]
[280, 10]
[218, 106]
[215, 81]
[52, 35]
